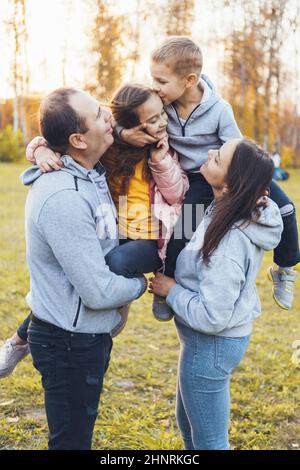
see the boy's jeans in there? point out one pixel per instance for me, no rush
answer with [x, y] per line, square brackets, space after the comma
[72, 366]
[287, 253]
[203, 387]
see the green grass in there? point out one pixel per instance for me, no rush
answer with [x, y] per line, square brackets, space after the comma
[137, 405]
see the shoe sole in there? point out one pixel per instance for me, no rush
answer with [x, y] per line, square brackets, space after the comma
[162, 319]
[269, 274]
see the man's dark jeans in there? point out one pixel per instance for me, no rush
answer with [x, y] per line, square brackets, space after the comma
[72, 366]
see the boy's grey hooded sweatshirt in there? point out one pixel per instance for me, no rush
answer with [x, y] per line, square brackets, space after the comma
[221, 298]
[70, 227]
[209, 125]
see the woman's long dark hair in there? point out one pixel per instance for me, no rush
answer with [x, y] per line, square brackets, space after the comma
[249, 176]
[121, 159]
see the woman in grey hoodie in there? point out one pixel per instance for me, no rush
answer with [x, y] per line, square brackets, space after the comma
[214, 294]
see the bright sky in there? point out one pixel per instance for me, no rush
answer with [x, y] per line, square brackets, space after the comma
[57, 28]
[54, 28]
[60, 27]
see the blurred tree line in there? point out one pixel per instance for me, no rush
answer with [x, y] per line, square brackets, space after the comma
[262, 91]
[253, 35]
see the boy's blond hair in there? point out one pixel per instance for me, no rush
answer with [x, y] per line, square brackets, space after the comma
[181, 54]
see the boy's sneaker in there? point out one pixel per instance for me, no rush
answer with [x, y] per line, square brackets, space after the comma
[283, 286]
[161, 309]
[123, 311]
[10, 355]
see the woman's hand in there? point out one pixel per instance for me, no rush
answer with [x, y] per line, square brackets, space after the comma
[47, 160]
[158, 153]
[161, 284]
[137, 136]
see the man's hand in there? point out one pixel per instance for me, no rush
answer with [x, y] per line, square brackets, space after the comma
[47, 160]
[158, 153]
[137, 136]
[161, 284]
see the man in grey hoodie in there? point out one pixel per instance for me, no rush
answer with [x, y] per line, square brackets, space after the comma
[74, 297]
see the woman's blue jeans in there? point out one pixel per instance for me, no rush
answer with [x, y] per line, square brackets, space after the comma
[203, 387]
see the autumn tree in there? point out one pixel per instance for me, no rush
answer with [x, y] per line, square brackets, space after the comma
[20, 71]
[179, 15]
[141, 14]
[108, 47]
[254, 68]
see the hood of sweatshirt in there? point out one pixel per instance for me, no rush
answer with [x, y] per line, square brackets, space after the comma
[70, 166]
[95, 175]
[265, 232]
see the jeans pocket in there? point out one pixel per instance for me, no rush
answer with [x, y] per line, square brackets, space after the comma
[42, 351]
[42, 340]
[229, 352]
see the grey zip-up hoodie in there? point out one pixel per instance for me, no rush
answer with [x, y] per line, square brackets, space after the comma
[70, 227]
[221, 298]
[209, 125]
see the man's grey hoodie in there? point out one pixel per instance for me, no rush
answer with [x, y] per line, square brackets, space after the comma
[70, 226]
[221, 298]
[208, 126]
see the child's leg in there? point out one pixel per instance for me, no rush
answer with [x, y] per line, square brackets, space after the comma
[14, 350]
[22, 332]
[286, 254]
[132, 258]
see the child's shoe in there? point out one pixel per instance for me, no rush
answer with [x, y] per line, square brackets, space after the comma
[123, 311]
[283, 285]
[161, 309]
[10, 355]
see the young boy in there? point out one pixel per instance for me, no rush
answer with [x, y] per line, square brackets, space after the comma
[199, 120]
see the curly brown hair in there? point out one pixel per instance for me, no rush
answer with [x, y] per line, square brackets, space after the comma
[121, 159]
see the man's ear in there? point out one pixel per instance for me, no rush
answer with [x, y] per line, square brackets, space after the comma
[191, 79]
[77, 141]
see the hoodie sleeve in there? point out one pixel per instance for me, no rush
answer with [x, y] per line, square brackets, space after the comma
[210, 309]
[69, 228]
[171, 180]
[228, 128]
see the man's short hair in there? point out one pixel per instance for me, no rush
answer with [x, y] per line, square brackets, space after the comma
[181, 54]
[58, 119]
